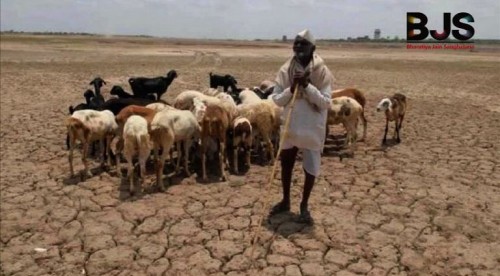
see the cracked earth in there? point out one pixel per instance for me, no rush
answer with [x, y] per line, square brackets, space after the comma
[427, 206]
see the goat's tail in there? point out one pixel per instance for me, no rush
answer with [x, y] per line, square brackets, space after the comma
[73, 123]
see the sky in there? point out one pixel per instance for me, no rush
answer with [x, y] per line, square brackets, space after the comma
[241, 19]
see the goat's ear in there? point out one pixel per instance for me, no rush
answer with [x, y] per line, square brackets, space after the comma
[92, 82]
[71, 109]
[104, 82]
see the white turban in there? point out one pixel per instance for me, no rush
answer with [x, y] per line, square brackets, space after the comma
[306, 34]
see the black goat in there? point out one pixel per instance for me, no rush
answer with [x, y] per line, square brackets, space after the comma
[142, 86]
[98, 82]
[117, 104]
[120, 93]
[225, 81]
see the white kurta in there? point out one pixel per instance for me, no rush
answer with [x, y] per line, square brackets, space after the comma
[307, 124]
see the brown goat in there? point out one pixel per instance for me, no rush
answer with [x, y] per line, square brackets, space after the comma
[359, 97]
[395, 109]
[214, 125]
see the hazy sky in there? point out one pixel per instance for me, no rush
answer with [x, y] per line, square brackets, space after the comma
[241, 19]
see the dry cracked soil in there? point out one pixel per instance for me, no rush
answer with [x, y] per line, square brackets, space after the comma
[427, 206]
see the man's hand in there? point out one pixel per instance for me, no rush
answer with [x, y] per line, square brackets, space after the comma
[300, 78]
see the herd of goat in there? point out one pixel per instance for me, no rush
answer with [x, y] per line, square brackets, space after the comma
[206, 122]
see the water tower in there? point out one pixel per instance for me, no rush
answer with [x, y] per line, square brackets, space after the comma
[376, 34]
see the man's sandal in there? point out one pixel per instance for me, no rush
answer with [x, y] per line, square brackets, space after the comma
[279, 208]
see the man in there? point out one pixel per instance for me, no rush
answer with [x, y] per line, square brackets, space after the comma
[308, 120]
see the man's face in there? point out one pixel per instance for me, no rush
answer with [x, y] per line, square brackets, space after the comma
[302, 48]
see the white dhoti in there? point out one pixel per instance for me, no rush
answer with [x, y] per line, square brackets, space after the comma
[311, 159]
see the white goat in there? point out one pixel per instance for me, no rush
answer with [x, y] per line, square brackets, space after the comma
[136, 142]
[88, 126]
[345, 110]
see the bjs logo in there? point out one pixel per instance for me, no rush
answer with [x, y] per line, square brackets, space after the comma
[411, 26]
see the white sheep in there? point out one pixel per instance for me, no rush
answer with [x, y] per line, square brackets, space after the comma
[395, 109]
[136, 142]
[345, 110]
[242, 137]
[159, 106]
[185, 128]
[88, 126]
[262, 117]
[248, 96]
[184, 101]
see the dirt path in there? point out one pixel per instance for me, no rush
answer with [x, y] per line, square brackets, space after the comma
[428, 206]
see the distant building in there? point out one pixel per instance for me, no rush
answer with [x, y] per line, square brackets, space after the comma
[376, 34]
[283, 38]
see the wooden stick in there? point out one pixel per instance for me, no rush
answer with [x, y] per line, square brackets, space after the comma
[273, 171]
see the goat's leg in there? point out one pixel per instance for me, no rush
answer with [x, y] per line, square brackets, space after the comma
[103, 152]
[70, 156]
[179, 155]
[222, 159]
[85, 150]
[130, 172]
[385, 133]
[204, 157]
[399, 127]
[142, 166]
[365, 123]
[187, 146]
[248, 150]
[108, 149]
[236, 142]
[159, 168]
[270, 147]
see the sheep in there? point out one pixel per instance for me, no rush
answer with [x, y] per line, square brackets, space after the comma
[242, 137]
[87, 105]
[359, 97]
[136, 142]
[141, 86]
[225, 81]
[262, 117]
[395, 109]
[88, 126]
[214, 125]
[248, 96]
[158, 106]
[98, 82]
[184, 101]
[345, 110]
[184, 127]
[163, 136]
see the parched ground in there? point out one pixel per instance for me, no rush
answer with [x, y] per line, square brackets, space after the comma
[428, 206]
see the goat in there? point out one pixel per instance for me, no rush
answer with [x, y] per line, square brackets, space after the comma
[214, 125]
[88, 126]
[242, 137]
[345, 110]
[265, 89]
[87, 105]
[141, 86]
[136, 142]
[117, 104]
[225, 81]
[395, 109]
[98, 82]
[118, 91]
[359, 97]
